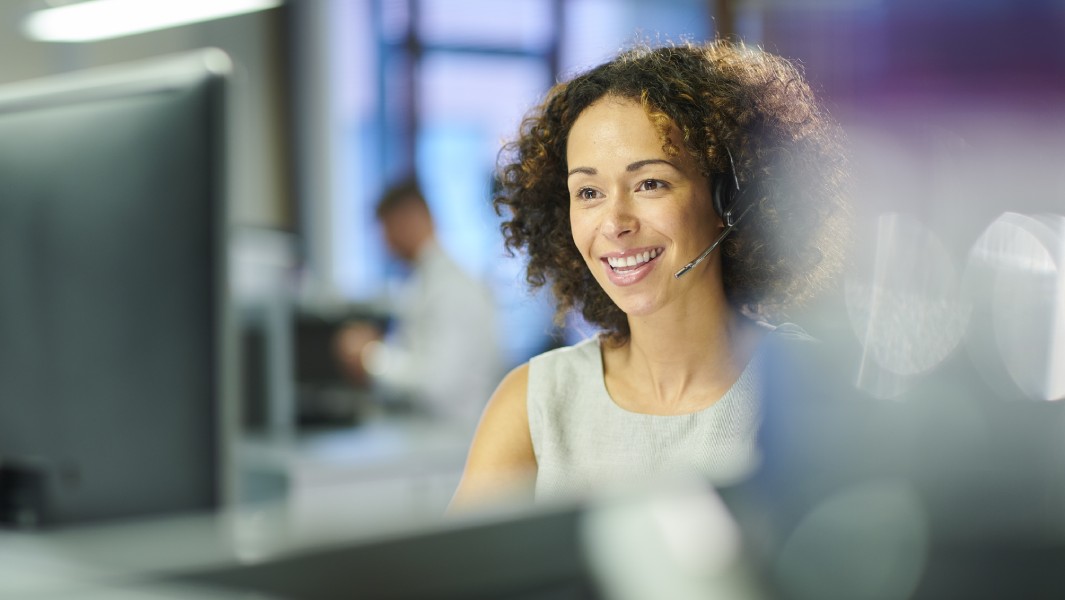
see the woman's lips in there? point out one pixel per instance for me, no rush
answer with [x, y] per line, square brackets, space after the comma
[624, 272]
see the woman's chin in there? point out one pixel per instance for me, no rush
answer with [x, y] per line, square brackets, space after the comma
[637, 307]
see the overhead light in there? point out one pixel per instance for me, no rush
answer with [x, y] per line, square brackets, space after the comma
[104, 19]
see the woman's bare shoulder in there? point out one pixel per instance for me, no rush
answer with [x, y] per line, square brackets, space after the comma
[501, 462]
[512, 392]
[503, 434]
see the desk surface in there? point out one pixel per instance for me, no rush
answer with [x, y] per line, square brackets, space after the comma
[379, 444]
[385, 477]
[611, 550]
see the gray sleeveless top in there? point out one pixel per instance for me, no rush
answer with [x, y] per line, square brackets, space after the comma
[585, 443]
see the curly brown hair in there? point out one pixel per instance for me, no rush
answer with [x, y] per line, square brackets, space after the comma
[725, 98]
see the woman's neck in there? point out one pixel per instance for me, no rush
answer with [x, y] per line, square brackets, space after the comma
[680, 362]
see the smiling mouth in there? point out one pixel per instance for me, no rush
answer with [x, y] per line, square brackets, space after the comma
[635, 261]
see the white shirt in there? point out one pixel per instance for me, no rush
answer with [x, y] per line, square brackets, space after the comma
[443, 352]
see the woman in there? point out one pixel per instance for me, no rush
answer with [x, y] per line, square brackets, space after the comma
[682, 198]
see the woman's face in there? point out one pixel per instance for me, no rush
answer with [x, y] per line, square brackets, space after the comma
[637, 214]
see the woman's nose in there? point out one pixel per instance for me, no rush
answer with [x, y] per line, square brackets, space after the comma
[620, 219]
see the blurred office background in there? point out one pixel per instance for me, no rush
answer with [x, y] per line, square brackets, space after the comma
[953, 113]
[330, 102]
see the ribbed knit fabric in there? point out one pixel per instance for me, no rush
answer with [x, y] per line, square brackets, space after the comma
[585, 443]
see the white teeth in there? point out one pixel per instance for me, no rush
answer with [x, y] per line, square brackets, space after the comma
[632, 260]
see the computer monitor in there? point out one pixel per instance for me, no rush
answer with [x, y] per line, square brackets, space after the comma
[114, 345]
[540, 554]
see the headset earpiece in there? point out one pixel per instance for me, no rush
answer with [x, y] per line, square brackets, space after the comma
[726, 195]
[730, 206]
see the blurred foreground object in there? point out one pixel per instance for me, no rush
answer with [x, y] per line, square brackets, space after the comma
[681, 545]
[116, 358]
[948, 489]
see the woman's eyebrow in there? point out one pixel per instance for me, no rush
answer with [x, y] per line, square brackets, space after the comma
[636, 166]
[585, 170]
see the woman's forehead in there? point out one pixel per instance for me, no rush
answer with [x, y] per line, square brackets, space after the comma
[620, 128]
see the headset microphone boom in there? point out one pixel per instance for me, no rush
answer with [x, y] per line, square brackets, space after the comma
[726, 201]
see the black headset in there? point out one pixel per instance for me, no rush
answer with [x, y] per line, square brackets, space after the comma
[729, 203]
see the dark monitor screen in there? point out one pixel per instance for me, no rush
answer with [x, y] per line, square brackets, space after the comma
[112, 210]
[537, 555]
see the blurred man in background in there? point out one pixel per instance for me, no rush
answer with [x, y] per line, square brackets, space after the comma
[442, 353]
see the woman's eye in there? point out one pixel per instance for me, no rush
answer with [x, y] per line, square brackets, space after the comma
[586, 194]
[650, 185]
